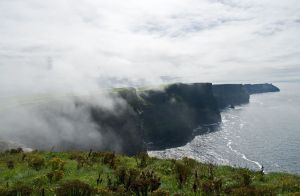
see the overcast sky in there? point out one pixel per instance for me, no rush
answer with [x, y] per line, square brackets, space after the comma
[59, 45]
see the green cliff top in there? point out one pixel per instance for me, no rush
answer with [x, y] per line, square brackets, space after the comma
[99, 173]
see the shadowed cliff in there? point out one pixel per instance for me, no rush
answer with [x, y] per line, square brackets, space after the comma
[170, 116]
[230, 95]
[167, 117]
[260, 88]
[157, 118]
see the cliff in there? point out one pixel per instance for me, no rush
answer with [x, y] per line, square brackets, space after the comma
[161, 118]
[170, 116]
[230, 95]
[260, 88]
[120, 128]
[166, 117]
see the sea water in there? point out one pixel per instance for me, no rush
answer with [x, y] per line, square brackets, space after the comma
[265, 132]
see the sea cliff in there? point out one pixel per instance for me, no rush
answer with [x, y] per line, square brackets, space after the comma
[230, 95]
[260, 88]
[170, 115]
[167, 116]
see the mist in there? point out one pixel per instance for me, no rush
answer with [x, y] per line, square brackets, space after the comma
[60, 124]
[54, 54]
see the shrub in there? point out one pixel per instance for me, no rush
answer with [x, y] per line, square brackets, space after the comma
[104, 192]
[182, 173]
[212, 186]
[40, 180]
[143, 157]
[23, 157]
[196, 184]
[289, 184]
[246, 179]
[154, 181]
[111, 185]
[121, 174]
[10, 164]
[165, 167]
[74, 188]
[4, 191]
[189, 162]
[99, 179]
[132, 176]
[109, 159]
[81, 161]
[251, 191]
[218, 185]
[36, 162]
[55, 175]
[211, 171]
[57, 164]
[17, 190]
[121, 190]
[160, 193]
[207, 187]
[96, 156]
[143, 183]
[76, 156]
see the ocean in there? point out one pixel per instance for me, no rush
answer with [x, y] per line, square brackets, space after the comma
[265, 132]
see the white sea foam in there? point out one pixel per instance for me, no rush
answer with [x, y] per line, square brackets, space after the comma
[229, 145]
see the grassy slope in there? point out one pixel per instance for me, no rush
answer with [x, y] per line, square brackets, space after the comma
[233, 179]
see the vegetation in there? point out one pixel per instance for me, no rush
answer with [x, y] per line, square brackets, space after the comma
[104, 173]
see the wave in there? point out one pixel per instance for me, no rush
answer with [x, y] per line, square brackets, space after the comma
[242, 155]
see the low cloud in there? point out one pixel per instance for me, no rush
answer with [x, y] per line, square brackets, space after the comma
[61, 47]
[61, 124]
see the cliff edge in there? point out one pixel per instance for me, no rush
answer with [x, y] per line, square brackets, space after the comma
[230, 95]
[260, 88]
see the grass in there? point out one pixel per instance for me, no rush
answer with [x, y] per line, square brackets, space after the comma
[103, 173]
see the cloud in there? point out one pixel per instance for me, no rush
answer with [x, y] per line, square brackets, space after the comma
[91, 41]
[54, 48]
[63, 124]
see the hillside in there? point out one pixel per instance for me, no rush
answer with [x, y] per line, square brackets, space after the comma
[99, 173]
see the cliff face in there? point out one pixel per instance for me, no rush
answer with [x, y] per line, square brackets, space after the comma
[120, 128]
[170, 116]
[230, 95]
[260, 88]
[166, 118]
[161, 118]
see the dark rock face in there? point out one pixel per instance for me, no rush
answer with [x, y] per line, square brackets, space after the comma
[164, 118]
[229, 95]
[167, 118]
[170, 116]
[260, 88]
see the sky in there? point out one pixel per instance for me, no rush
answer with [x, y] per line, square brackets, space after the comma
[52, 48]
[72, 45]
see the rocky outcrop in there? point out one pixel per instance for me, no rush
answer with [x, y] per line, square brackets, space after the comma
[230, 95]
[260, 88]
